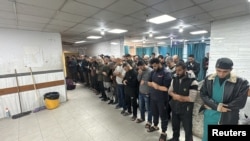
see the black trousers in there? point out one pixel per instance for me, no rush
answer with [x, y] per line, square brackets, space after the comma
[101, 89]
[159, 109]
[131, 99]
[184, 117]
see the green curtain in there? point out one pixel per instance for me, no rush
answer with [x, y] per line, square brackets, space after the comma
[198, 50]
[177, 50]
[163, 50]
[126, 49]
[144, 51]
[139, 51]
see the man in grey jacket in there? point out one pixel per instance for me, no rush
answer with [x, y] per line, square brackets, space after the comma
[144, 99]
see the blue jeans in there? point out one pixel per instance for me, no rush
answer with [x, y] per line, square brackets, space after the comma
[121, 96]
[144, 103]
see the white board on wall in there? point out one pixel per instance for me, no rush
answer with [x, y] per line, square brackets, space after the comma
[20, 49]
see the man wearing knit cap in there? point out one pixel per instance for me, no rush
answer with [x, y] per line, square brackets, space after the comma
[223, 94]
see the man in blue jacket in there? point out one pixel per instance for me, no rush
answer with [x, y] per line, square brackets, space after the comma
[159, 81]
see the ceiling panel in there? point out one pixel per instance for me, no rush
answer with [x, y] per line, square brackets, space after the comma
[201, 1]
[107, 16]
[55, 28]
[82, 28]
[198, 19]
[149, 2]
[7, 15]
[62, 23]
[30, 18]
[125, 7]
[28, 28]
[6, 6]
[98, 3]
[70, 33]
[127, 20]
[50, 4]
[230, 10]
[8, 26]
[146, 14]
[93, 22]
[8, 22]
[68, 17]
[218, 4]
[187, 12]
[79, 9]
[173, 5]
[31, 24]
[35, 11]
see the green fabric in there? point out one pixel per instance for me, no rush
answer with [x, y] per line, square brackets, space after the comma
[212, 117]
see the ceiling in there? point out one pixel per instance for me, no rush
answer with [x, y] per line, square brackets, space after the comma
[77, 19]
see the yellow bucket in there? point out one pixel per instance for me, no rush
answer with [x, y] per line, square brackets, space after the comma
[51, 104]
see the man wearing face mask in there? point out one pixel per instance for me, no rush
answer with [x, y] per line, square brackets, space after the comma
[223, 94]
[183, 90]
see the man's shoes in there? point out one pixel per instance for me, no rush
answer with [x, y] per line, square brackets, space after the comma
[173, 139]
[111, 102]
[163, 137]
[127, 114]
[117, 107]
[133, 118]
[104, 99]
[123, 111]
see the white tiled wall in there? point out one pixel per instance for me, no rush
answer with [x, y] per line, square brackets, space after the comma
[231, 38]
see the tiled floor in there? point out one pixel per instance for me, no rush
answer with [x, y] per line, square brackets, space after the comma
[82, 118]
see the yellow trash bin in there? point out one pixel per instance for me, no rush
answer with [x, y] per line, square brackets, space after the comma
[51, 100]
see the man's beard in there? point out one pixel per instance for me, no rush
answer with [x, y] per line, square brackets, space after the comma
[180, 76]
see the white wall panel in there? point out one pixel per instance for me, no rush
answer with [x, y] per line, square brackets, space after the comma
[231, 38]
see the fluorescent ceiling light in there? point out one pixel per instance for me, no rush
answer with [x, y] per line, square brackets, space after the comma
[78, 42]
[161, 19]
[198, 32]
[135, 41]
[117, 31]
[161, 43]
[218, 38]
[114, 43]
[161, 37]
[94, 37]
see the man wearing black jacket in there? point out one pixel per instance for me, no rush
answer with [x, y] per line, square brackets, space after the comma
[131, 90]
[159, 82]
[193, 65]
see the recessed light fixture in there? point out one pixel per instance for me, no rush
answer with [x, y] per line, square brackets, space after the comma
[102, 32]
[161, 19]
[180, 29]
[78, 42]
[150, 34]
[117, 31]
[94, 37]
[161, 37]
[114, 43]
[198, 32]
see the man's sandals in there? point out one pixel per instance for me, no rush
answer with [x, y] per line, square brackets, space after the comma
[163, 137]
[153, 128]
